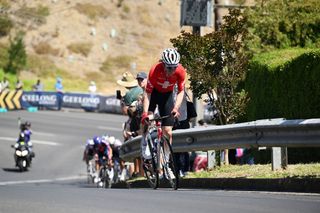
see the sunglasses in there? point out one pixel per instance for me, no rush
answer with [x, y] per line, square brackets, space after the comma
[171, 69]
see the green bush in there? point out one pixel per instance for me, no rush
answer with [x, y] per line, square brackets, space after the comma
[6, 25]
[3, 55]
[280, 87]
[17, 55]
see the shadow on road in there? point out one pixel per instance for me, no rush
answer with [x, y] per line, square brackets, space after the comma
[11, 170]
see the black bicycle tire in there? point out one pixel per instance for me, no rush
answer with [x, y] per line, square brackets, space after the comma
[101, 177]
[173, 182]
[89, 176]
[153, 184]
[107, 181]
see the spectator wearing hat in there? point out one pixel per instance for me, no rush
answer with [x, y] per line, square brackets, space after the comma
[142, 79]
[128, 105]
[133, 93]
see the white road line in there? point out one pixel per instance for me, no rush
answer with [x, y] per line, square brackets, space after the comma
[43, 133]
[50, 143]
[109, 128]
[6, 183]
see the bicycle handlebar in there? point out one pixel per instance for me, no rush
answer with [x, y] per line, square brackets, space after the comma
[159, 118]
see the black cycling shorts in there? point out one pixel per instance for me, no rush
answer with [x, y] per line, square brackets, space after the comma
[165, 105]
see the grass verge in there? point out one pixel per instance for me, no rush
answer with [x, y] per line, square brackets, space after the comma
[260, 171]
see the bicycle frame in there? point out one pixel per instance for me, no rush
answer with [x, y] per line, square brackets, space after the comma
[161, 164]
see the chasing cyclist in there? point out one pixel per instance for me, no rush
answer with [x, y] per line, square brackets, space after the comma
[159, 90]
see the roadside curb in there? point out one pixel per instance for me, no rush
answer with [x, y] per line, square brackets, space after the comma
[308, 185]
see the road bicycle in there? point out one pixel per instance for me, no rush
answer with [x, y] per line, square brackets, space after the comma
[106, 175]
[161, 161]
[91, 171]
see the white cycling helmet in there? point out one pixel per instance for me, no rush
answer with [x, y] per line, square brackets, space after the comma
[111, 140]
[170, 57]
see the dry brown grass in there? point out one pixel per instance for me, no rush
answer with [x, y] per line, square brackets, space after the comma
[122, 61]
[91, 11]
[44, 48]
[36, 14]
[82, 48]
[144, 17]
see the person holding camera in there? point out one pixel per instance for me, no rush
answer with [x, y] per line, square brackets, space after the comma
[130, 106]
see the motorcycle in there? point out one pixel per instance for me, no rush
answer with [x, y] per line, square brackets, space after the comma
[22, 156]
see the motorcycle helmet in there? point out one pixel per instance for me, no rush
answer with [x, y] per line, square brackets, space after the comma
[27, 124]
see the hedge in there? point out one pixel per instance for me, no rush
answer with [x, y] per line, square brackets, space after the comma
[285, 84]
[282, 86]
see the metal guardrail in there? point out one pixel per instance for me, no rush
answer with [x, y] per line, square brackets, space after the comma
[260, 133]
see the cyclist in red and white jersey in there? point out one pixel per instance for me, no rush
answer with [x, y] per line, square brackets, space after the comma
[159, 91]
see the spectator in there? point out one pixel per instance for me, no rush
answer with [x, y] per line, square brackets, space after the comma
[128, 101]
[142, 79]
[92, 87]
[133, 93]
[38, 87]
[59, 90]
[4, 84]
[142, 82]
[182, 158]
[19, 84]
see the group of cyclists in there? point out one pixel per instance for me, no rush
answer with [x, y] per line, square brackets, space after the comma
[102, 150]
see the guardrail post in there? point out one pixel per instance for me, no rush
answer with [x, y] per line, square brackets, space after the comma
[279, 158]
[211, 156]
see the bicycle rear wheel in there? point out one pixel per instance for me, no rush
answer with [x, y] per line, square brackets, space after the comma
[150, 168]
[168, 163]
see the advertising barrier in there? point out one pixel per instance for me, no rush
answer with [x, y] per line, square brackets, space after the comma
[13, 100]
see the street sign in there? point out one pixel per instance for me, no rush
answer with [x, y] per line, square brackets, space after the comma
[196, 13]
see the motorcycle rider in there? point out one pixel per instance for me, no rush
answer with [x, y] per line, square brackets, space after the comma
[25, 137]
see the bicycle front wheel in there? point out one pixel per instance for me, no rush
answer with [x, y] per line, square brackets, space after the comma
[150, 168]
[168, 163]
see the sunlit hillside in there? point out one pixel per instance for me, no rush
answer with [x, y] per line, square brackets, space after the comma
[93, 39]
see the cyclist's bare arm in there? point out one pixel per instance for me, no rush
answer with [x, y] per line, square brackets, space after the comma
[146, 101]
[179, 99]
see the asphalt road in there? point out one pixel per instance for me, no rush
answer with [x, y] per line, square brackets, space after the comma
[57, 183]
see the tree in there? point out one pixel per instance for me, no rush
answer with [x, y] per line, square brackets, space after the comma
[217, 62]
[17, 54]
[283, 24]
